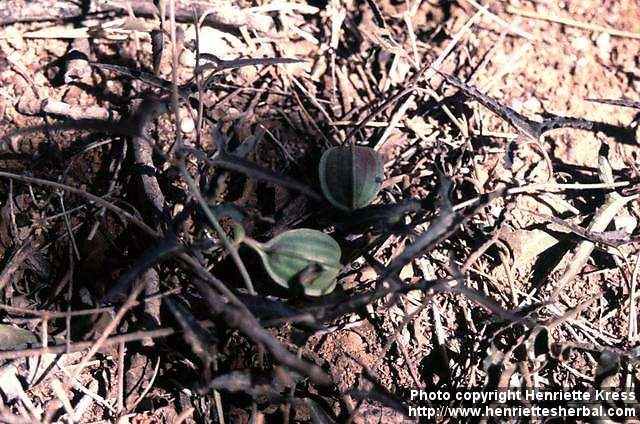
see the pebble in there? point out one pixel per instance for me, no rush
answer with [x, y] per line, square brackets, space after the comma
[406, 272]
[532, 104]
[604, 46]
[29, 105]
[581, 43]
[187, 125]
[626, 223]
[219, 43]
[188, 58]
[517, 104]
[58, 48]
[604, 43]
[399, 73]
[14, 38]
[583, 62]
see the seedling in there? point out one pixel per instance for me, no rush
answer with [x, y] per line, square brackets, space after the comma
[350, 176]
[303, 256]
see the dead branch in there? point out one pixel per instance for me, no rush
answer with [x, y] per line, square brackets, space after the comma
[218, 13]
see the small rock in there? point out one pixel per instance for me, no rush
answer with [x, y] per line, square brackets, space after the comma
[626, 223]
[74, 111]
[399, 73]
[77, 70]
[604, 43]
[527, 246]
[583, 62]
[188, 58]
[58, 48]
[29, 104]
[406, 272]
[187, 125]
[516, 104]
[219, 43]
[14, 38]
[532, 104]
[581, 43]
[40, 80]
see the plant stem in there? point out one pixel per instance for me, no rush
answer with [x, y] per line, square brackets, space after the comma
[213, 219]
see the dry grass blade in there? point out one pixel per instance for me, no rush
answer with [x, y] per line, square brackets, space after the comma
[446, 224]
[238, 164]
[531, 129]
[572, 22]
[617, 102]
[220, 64]
[158, 253]
[604, 215]
[245, 322]
[93, 198]
[111, 327]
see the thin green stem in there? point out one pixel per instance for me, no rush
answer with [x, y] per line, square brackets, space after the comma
[213, 219]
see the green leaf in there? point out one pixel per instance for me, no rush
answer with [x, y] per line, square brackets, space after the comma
[350, 176]
[308, 257]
